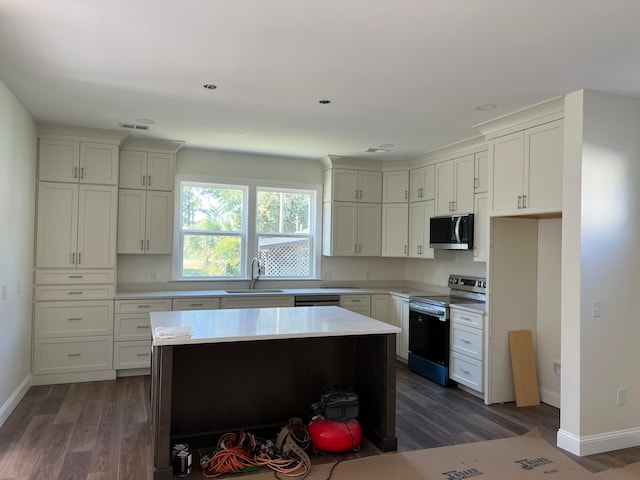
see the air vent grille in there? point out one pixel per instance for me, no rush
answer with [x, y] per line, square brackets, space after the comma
[133, 126]
[376, 150]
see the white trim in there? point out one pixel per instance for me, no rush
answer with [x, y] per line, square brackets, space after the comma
[550, 397]
[13, 400]
[602, 442]
[133, 372]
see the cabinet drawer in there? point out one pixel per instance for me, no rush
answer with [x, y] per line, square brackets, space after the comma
[131, 355]
[68, 355]
[140, 306]
[466, 370]
[72, 319]
[132, 326]
[73, 276]
[348, 301]
[467, 340]
[257, 301]
[74, 292]
[196, 303]
[463, 317]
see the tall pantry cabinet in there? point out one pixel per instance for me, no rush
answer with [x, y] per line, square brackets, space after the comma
[75, 258]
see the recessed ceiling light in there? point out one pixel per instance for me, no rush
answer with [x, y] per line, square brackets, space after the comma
[386, 145]
[146, 121]
[210, 86]
[487, 106]
[324, 102]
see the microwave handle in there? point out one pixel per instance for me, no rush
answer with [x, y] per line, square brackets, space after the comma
[457, 229]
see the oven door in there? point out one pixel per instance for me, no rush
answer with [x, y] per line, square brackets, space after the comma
[429, 333]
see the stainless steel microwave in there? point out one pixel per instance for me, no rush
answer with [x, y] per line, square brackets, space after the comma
[451, 232]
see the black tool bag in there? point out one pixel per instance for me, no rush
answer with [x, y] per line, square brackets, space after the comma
[337, 403]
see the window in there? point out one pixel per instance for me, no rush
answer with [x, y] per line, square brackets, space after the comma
[222, 226]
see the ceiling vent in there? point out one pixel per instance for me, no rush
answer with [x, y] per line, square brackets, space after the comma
[376, 150]
[133, 126]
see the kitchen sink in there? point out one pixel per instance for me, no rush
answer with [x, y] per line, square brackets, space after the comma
[257, 290]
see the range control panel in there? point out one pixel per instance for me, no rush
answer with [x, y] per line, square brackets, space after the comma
[469, 284]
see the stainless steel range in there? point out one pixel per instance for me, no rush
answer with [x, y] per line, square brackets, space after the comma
[429, 325]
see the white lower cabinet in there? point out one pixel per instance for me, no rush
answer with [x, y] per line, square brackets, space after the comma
[399, 317]
[357, 303]
[72, 355]
[132, 331]
[380, 307]
[193, 303]
[467, 348]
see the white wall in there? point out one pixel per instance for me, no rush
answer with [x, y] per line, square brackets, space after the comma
[601, 261]
[447, 262]
[548, 308]
[17, 210]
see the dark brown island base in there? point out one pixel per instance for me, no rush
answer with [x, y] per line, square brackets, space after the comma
[253, 369]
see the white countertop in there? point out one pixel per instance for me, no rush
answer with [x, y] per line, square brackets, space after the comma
[247, 324]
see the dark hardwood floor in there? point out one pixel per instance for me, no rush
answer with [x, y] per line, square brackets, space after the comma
[100, 431]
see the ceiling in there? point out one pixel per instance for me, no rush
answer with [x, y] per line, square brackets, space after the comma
[403, 72]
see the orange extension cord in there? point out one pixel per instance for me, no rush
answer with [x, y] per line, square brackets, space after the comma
[233, 458]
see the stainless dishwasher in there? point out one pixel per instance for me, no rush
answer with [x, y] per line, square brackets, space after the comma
[316, 300]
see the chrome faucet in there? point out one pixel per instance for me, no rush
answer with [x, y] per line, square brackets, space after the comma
[255, 272]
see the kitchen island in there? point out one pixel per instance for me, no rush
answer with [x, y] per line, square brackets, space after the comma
[255, 368]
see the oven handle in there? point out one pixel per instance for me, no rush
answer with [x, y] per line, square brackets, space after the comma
[434, 312]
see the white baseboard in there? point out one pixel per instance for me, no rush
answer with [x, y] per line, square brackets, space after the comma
[133, 372]
[13, 400]
[602, 442]
[550, 397]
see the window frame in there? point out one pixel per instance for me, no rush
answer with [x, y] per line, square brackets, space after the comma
[249, 226]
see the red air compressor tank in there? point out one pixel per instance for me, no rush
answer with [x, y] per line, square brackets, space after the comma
[335, 435]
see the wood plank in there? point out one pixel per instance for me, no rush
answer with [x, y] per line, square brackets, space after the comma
[523, 366]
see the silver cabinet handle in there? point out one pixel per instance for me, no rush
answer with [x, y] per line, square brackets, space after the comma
[195, 304]
[144, 306]
[147, 244]
[464, 340]
[149, 181]
[73, 354]
[524, 201]
[74, 319]
[144, 180]
[476, 182]
[519, 201]
[466, 372]
[143, 326]
[81, 172]
[141, 244]
[76, 276]
[75, 172]
[405, 249]
[406, 194]
[356, 194]
[420, 192]
[73, 258]
[75, 293]
[144, 354]
[79, 258]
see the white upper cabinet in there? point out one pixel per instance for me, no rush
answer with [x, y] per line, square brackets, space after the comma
[422, 183]
[76, 226]
[345, 185]
[147, 170]
[525, 171]
[455, 186]
[145, 222]
[352, 229]
[420, 214]
[77, 162]
[481, 180]
[395, 187]
[395, 229]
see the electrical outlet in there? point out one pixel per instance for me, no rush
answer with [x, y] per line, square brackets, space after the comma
[367, 275]
[556, 368]
[596, 308]
[622, 396]
[3, 292]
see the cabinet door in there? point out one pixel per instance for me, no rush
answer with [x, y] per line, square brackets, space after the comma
[161, 171]
[370, 187]
[369, 229]
[543, 168]
[133, 169]
[400, 318]
[98, 163]
[395, 229]
[481, 179]
[445, 194]
[159, 222]
[416, 229]
[506, 172]
[344, 228]
[131, 217]
[481, 228]
[97, 223]
[58, 160]
[57, 225]
[395, 187]
[380, 308]
[422, 183]
[464, 174]
[345, 185]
